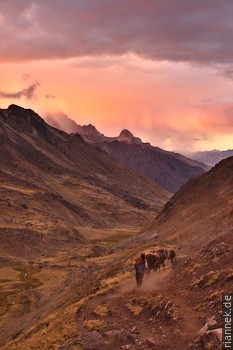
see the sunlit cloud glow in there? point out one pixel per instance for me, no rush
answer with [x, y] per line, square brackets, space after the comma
[162, 69]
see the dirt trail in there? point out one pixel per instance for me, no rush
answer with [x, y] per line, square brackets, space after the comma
[142, 312]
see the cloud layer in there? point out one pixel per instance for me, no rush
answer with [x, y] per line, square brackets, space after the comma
[175, 30]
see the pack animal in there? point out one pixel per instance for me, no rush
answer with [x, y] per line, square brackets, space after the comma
[161, 258]
[171, 255]
[152, 262]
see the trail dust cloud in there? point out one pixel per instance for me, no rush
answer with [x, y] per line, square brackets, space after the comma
[151, 281]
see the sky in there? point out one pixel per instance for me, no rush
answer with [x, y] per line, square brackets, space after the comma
[162, 69]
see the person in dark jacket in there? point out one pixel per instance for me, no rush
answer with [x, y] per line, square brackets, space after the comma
[140, 268]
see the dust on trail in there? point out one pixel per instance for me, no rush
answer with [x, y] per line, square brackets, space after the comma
[163, 331]
[151, 281]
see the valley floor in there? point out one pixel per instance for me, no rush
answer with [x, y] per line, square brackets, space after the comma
[87, 299]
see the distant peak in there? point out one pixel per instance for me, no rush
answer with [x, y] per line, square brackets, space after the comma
[12, 106]
[20, 111]
[15, 108]
[24, 118]
[126, 133]
[127, 136]
[91, 134]
[90, 127]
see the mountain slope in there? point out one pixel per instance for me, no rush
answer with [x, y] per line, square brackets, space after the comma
[55, 184]
[170, 170]
[201, 212]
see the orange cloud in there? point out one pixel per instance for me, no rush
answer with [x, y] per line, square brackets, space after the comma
[162, 69]
[169, 104]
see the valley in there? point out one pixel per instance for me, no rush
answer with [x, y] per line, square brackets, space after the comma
[72, 222]
[87, 299]
[116, 175]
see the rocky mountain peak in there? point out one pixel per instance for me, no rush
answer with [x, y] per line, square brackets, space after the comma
[90, 129]
[128, 137]
[90, 133]
[23, 119]
[126, 133]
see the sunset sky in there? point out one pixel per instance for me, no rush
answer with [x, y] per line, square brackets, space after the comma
[161, 68]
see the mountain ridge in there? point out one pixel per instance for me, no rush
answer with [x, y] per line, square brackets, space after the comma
[169, 169]
[62, 182]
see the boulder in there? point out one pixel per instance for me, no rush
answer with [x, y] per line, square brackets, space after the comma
[212, 339]
[119, 337]
[92, 341]
[210, 324]
[107, 340]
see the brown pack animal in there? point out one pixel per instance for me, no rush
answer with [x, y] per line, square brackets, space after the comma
[152, 259]
[171, 255]
[162, 257]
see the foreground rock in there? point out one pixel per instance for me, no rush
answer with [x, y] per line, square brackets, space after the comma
[210, 336]
[107, 340]
[212, 339]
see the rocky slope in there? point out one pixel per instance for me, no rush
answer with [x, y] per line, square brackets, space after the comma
[200, 213]
[170, 170]
[56, 185]
[198, 223]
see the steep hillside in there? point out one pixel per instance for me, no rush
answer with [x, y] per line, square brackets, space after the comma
[55, 184]
[170, 170]
[200, 213]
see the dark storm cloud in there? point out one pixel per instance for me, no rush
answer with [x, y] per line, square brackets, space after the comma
[177, 30]
[29, 92]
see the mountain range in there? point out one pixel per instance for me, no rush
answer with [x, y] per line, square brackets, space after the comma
[56, 188]
[211, 158]
[168, 169]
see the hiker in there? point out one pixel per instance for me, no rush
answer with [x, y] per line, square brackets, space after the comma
[140, 267]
